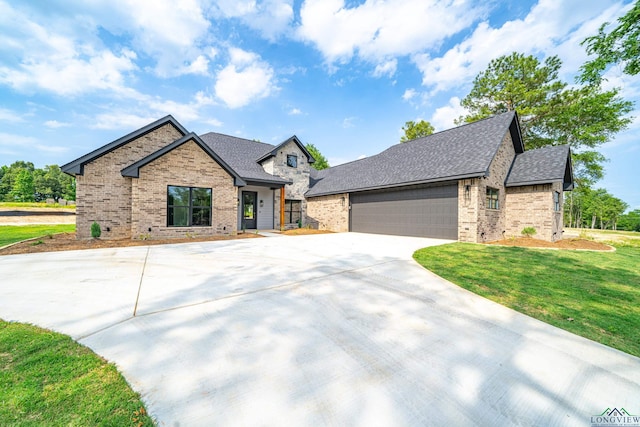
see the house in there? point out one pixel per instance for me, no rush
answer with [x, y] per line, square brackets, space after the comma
[471, 183]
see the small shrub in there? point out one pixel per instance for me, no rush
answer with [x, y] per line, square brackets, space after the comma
[39, 242]
[50, 235]
[300, 223]
[95, 230]
[528, 231]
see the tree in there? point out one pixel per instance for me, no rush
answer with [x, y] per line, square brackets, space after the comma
[9, 176]
[620, 46]
[321, 161]
[630, 221]
[548, 111]
[413, 130]
[23, 189]
[590, 208]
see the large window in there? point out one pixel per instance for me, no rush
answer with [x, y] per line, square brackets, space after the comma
[292, 211]
[492, 198]
[188, 207]
[556, 201]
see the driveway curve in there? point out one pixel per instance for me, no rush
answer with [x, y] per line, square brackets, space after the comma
[336, 329]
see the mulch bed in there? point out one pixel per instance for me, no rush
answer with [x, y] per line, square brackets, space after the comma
[529, 242]
[68, 242]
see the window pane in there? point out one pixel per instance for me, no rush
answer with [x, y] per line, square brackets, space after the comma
[201, 196]
[292, 160]
[295, 216]
[201, 217]
[178, 216]
[178, 196]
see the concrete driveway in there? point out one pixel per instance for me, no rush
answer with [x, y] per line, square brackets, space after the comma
[339, 329]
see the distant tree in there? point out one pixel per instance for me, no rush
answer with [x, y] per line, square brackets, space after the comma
[594, 208]
[630, 221]
[320, 160]
[50, 182]
[9, 176]
[620, 46]
[549, 112]
[413, 130]
[23, 189]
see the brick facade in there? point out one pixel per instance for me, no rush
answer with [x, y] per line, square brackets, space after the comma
[104, 195]
[329, 212]
[533, 206]
[189, 166]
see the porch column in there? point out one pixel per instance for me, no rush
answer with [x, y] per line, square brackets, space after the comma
[281, 208]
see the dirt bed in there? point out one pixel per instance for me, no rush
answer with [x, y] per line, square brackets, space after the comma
[528, 242]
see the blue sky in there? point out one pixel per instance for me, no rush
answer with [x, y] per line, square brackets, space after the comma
[343, 75]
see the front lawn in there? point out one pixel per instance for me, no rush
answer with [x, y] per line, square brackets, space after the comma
[34, 205]
[16, 233]
[48, 379]
[592, 294]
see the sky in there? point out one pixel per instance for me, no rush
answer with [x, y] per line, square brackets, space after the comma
[344, 75]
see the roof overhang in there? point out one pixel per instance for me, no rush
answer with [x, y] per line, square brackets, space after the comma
[399, 185]
[293, 139]
[133, 170]
[76, 167]
[267, 183]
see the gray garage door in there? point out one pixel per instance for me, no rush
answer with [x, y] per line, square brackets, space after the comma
[413, 211]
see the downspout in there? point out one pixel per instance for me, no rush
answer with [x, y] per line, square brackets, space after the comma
[282, 208]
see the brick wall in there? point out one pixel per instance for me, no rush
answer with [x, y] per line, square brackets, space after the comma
[104, 195]
[189, 166]
[329, 212]
[532, 206]
[476, 222]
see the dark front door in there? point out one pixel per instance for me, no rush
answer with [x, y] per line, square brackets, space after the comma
[249, 211]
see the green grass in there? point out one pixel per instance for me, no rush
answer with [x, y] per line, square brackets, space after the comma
[34, 205]
[48, 379]
[16, 233]
[592, 294]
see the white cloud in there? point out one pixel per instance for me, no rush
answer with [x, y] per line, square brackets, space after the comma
[214, 122]
[269, 17]
[10, 139]
[121, 120]
[548, 24]
[409, 94]
[10, 116]
[199, 66]
[376, 30]
[387, 68]
[51, 148]
[54, 124]
[245, 79]
[443, 117]
[295, 112]
[348, 122]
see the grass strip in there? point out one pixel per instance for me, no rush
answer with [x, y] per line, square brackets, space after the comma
[48, 379]
[16, 233]
[592, 294]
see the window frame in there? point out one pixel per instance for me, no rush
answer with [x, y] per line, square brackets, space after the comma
[493, 198]
[288, 213]
[556, 201]
[293, 157]
[190, 207]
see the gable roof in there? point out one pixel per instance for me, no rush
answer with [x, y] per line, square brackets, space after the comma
[133, 170]
[542, 166]
[462, 152]
[275, 149]
[76, 167]
[242, 154]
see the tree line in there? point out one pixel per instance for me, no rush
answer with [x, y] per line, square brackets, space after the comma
[552, 112]
[22, 182]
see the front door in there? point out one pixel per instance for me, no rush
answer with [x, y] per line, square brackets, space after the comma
[249, 211]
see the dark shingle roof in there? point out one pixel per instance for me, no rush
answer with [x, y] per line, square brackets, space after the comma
[293, 139]
[242, 155]
[461, 152]
[541, 166]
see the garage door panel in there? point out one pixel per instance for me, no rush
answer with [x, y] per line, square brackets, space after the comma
[424, 211]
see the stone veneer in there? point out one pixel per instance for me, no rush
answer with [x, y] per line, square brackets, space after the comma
[532, 206]
[104, 195]
[189, 166]
[329, 212]
[277, 165]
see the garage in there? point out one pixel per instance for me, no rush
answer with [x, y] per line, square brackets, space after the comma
[421, 211]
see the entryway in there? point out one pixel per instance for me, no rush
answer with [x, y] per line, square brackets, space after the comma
[249, 211]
